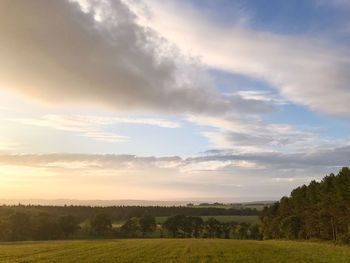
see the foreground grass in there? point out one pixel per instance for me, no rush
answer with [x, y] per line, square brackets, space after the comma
[173, 250]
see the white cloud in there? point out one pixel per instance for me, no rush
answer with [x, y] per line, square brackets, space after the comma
[8, 145]
[89, 122]
[262, 95]
[106, 136]
[149, 121]
[304, 69]
[89, 126]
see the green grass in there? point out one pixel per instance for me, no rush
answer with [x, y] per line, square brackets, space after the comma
[258, 207]
[173, 250]
[240, 219]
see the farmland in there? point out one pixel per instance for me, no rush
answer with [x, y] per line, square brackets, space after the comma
[172, 250]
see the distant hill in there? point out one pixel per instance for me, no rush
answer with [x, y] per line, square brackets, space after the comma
[62, 202]
[122, 202]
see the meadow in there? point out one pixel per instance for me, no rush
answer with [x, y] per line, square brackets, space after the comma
[173, 250]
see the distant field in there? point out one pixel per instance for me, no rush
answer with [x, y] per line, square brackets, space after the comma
[173, 250]
[256, 206]
[240, 219]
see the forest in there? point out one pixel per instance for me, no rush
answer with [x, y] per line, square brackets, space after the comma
[319, 210]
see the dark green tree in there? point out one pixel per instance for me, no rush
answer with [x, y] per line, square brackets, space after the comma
[197, 224]
[68, 225]
[212, 227]
[131, 227]
[147, 224]
[16, 226]
[226, 228]
[290, 226]
[101, 224]
[45, 227]
[175, 225]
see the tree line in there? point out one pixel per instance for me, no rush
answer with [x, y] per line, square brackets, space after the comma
[319, 210]
[192, 226]
[181, 226]
[19, 226]
[119, 213]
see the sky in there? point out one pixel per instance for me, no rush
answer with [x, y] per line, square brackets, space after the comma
[172, 99]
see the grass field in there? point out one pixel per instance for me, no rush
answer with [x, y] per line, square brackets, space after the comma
[223, 219]
[173, 250]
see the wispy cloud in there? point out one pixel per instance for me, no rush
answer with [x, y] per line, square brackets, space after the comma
[90, 126]
[88, 122]
[8, 145]
[262, 95]
[305, 70]
[106, 136]
[247, 135]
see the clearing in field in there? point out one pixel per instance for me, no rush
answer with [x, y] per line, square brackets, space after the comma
[173, 250]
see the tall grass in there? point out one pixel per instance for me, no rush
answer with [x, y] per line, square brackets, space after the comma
[173, 250]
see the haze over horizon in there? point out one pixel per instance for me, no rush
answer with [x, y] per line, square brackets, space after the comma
[172, 100]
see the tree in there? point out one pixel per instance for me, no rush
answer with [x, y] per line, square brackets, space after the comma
[45, 227]
[147, 224]
[101, 224]
[226, 228]
[68, 225]
[15, 227]
[290, 226]
[197, 224]
[242, 230]
[131, 227]
[253, 232]
[212, 226]
[318, 210]
[174, 224]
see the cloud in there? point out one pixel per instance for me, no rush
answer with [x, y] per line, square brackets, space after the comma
[262, 95]
[89, 126]
[149, 121]
[311, 158]
[247, 176]
[306, 70]
[106, 136]
[105, 161]
[56, 52]
[8, 145]
[326, 157]
[254, 134]
[89, 122]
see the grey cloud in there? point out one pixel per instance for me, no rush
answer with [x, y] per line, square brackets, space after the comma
[328, 157]
[332, 157]
[252, 134]
[54, 52]
[256, 140]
